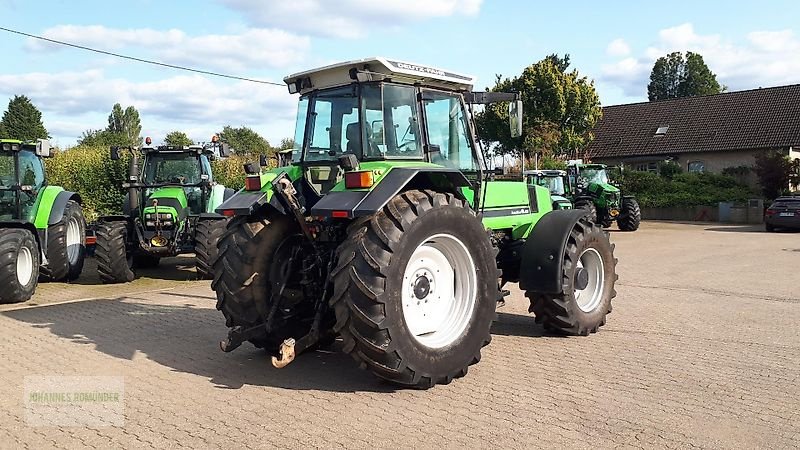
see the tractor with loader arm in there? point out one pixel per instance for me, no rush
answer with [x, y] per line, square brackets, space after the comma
[592, 191]
[42, 228]
[386, 231]
[168, 210]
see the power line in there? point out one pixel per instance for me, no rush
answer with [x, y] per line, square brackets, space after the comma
[133, 58]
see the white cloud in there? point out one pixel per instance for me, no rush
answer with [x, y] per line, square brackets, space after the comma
[618, 47]
[194, 104]
[348, 18]
[764, 58]
[253, 47]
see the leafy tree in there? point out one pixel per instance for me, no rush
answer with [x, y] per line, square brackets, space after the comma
[674, 76]
[177, 138]
[560, 109]
[286, 143]
[244, 140]
[22, 121]
[125, 123]
[102, 138]
[775, 171]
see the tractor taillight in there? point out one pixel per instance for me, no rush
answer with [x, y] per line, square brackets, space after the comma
[359, 180]
[339, 214]
[228, 212]
[252, 183]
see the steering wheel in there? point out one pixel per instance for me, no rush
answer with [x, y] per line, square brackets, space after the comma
[179, 179]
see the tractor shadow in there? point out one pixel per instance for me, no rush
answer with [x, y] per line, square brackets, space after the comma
[185, 338]
[177, 268]
[509, 324]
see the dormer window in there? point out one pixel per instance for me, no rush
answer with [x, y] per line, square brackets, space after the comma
[661, 131]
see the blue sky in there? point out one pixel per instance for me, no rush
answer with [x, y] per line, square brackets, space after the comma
[748, 45]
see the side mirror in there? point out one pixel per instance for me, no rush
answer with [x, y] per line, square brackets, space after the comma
[224, 149]
[262, 160]
[115, 153]
[43, 148]
[515, 118]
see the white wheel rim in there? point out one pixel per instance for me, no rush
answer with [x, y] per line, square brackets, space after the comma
[24, 266]
[591, 296]
[74, 241]
[439, 291]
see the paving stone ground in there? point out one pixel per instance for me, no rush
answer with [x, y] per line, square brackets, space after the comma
[702, 350]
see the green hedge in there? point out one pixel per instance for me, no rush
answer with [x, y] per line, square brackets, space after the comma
[684, 189]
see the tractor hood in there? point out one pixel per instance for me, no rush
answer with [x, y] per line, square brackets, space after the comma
[601, 188]
[171, 199]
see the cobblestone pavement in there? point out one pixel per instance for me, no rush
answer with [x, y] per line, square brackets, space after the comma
[702, 350]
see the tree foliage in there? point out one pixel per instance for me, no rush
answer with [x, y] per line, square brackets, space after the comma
[178, 139]
[676, 76]
[243, 140]
[560, 109]
[775, 171]
[124, 128]
[22, 121]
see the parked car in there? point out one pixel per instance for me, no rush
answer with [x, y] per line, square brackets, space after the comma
[783, 213]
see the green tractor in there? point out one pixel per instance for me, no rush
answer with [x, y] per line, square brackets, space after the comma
[168, 210]
[592, 191]
[386, 231]
[557, 184]
[42, 228]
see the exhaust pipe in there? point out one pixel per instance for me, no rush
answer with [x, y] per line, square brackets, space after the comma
[133, 177]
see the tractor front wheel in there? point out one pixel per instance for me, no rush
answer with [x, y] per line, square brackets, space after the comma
[588, 205]
[630, 215]
[589, 274]
[66, 245]
[114, 261]
[415, 288]
[19, 265]
[207, 234]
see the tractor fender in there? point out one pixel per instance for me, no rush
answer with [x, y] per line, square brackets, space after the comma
[59, 204]
[399, 179]
[543, 252]
[629, 197]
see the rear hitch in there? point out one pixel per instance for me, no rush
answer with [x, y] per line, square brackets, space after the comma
[287, 354]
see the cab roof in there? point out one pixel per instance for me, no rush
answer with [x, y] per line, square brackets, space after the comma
[546, 172]
[376, 69]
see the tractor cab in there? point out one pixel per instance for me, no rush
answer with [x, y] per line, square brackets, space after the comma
[22, 178]
[557, 184]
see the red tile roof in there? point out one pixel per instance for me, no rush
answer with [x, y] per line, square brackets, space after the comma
[754, 119]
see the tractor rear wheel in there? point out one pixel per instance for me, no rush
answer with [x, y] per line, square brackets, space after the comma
[589, 274]
[114, 261]
[415, 288]
[207, 234]
[66, 246]
[19, 265]
[588, 205]
[251, 251]
[630, 215]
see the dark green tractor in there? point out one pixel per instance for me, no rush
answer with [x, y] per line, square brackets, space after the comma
[42, 228]
[593, 191]
[168, 210]
[386, 231]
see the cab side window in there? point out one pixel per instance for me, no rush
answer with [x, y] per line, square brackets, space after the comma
[31, 178]
[447, 131]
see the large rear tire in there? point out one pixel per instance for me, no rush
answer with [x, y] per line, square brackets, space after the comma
[66, 246]
[207, 235]
[250, 250]
[415, 288]
[19, 265]
[589, 274]
[114, 261]
[630, 215]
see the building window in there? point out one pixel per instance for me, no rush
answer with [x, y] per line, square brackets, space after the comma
[647, 167]
[696, 166]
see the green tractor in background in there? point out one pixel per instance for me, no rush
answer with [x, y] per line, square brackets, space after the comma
[386, 230]
[557, 184]
[592, 191]
[168, 210]
[42, 228]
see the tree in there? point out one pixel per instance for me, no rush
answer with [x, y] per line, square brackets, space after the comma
[244, 140]
[126, 123]
[674, 76]
[775, 171]
[560, 108]
[177, 138]
[22, 121]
